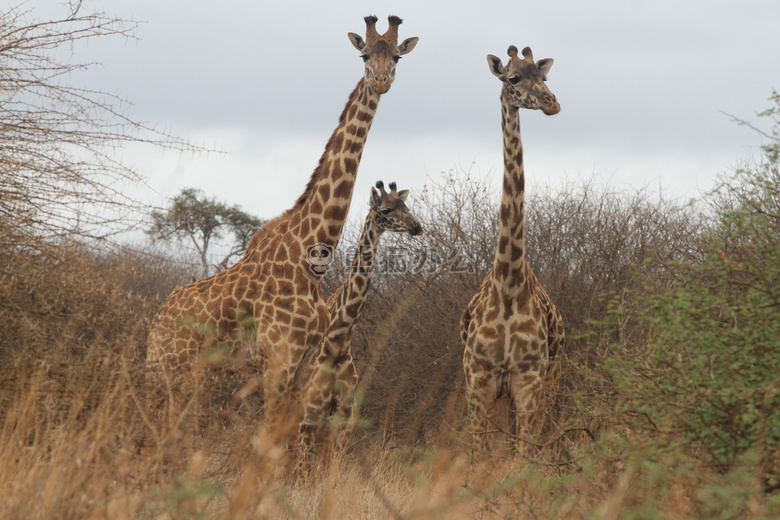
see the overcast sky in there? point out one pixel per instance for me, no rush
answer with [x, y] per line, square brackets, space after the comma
[642, 85]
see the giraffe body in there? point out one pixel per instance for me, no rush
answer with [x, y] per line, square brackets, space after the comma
[267, 308]
[329, 373]
[512, 332]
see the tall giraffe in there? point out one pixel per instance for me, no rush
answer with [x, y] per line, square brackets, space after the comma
[328, 374]
[268, 306]
[511, 330]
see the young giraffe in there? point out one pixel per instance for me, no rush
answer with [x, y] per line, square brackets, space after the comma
[512, 332]
[272, 295]
[328, 373]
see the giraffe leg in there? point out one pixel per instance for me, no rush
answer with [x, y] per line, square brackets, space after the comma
[316, 395]
[281, 410]
[553, 370]
[528, 396]
[551, 380]
[329, 388]
[346, 416]
[489, 417]
[311, 424]
[308, 431]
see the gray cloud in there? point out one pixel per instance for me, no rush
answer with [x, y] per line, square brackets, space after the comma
[641, 84]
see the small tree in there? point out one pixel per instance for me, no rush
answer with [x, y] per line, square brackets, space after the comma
[193, 216]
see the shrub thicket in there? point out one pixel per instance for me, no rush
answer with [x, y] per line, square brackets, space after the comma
[583, 240]
[690, 366]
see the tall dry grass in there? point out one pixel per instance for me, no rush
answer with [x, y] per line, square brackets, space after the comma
[81, 437]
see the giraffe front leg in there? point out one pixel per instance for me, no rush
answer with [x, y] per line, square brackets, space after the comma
[307, 434]
[488, 417]
[317, 394]
[551, 382]
[552, 372]
[281, 406]
[346, 417]
[535, 393]
[528, 394]
[310, 424]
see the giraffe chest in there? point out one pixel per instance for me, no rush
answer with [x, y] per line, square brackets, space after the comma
[300, 323]
[506, 338]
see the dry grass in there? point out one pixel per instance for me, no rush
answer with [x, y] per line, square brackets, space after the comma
[79, 457]
[79, 438]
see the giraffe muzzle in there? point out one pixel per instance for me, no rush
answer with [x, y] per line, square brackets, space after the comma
[381, 86]
[552, 107]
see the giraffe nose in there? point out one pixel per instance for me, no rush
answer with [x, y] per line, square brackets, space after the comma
[381, 83]
[552, 106]
[416, 229]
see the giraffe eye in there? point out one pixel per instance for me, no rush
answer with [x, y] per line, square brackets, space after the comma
[385, 211]
[364, 56]
[396, 58]
[514, 80]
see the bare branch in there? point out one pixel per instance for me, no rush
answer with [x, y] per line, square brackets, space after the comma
[60, 172]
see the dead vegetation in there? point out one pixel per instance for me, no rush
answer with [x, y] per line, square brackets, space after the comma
[79, 438]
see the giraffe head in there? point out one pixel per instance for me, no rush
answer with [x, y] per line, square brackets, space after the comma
[524, 81]
[389, 211]
[381, 52]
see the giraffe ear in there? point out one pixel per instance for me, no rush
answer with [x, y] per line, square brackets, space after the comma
[545, 65]
[356, 40]
[496, 67]
[403, 194]
[407, 45]
[376, 200]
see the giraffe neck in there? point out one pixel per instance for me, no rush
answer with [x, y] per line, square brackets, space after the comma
[509, 266]
[324, 205]
[346, 304]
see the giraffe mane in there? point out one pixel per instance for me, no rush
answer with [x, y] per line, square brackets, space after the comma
[267, 229]
[318, 170]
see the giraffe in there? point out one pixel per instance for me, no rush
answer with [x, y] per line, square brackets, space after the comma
[328, 374]
[511, 330]
[268, 306]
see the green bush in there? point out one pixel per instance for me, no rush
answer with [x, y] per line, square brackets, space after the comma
[706, 377]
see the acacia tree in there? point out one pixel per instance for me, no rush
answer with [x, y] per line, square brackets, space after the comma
[59, 174]
[193, 216]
